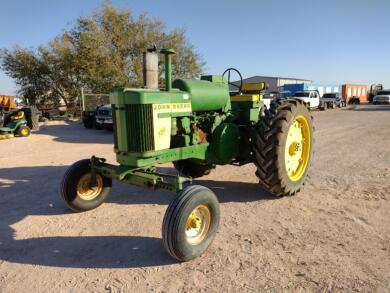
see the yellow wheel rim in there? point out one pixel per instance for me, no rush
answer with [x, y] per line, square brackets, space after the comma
[84, 191]
[297, 149]
[198, 225]
[24, 131]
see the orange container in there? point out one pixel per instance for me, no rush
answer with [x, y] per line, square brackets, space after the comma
[355, 90]
[7, 102]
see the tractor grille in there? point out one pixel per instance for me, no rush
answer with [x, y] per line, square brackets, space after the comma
[134, 128]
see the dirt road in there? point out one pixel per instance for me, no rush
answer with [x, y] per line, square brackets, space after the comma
[334, 235]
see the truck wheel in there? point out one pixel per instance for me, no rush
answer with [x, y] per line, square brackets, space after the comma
[190, 222]
[193, 168]
[23, 130]
[89, 122]
[76, 190]
[283, 147]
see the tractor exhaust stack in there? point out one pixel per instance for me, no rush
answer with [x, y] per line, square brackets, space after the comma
[150, 68]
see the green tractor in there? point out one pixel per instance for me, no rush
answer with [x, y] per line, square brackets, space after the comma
[15, 123]
[196, 125]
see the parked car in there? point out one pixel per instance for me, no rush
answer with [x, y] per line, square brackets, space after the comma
[332, 100]
[383, 97]
[312, 98]
[104, 117]
[100, 118]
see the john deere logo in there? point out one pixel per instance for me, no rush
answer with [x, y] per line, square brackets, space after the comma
[176, 107]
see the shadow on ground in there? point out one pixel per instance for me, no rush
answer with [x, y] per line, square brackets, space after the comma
[75, 132]
[368, 108]
[34, 191]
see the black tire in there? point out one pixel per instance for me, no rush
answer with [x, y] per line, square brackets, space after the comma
[32, 117]
[270, 143]
[7, 119]
[175, 225]
[89, 122]
[97, 125]
[193, 168]
[23, 131]
[70, 182]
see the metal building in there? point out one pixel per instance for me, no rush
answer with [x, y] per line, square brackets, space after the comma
[274, 83]
[290, 89]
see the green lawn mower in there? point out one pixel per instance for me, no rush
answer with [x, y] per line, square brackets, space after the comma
[196, 125]
[14, 123]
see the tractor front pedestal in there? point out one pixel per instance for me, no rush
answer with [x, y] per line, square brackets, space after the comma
[143, 177]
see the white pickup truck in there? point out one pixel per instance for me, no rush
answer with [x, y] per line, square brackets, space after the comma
[312, 98]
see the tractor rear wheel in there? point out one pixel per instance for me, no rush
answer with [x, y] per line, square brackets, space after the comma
[76, 189]
[284, 147]
[23, 131]
[193, 168]
[190, 222]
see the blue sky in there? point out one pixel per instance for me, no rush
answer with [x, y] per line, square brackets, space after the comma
[333, 41]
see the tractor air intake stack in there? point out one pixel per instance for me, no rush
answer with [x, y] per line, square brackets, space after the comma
[150, 69]
[168, 68]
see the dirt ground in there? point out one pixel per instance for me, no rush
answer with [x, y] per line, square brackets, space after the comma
[333, 236]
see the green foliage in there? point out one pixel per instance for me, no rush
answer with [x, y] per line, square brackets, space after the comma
[99, 52]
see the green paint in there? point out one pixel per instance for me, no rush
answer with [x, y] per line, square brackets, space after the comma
[206, 95]
[190, 119]
[226, 143]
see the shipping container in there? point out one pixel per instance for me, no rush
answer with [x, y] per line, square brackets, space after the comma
[290, 89]
[355, 90]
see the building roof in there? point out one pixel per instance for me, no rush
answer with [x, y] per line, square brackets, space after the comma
[258, 78]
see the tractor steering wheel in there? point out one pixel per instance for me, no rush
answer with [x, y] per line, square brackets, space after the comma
[231, 83]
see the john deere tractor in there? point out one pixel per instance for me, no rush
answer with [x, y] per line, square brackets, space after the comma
[196, 125]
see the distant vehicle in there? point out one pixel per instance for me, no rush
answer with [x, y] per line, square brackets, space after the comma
[332, 100]
[374, 89]
[99, 118]
[312, 98]
[268, 97]
[383, 97]
[104, 117]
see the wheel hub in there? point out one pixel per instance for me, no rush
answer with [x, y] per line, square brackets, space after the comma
[297, 150]
[198, 224]
[87, 192]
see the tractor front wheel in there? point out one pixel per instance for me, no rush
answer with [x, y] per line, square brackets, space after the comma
[283, 147]
[77, 190]
[23, 130]
[190, 223]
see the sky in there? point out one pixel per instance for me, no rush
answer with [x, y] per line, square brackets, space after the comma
[333, 41]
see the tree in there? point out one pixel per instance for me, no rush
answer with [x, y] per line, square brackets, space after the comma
[100, 52]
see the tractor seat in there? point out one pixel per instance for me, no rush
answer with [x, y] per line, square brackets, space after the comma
[18, 116]
[253, 88]
[250, 92]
